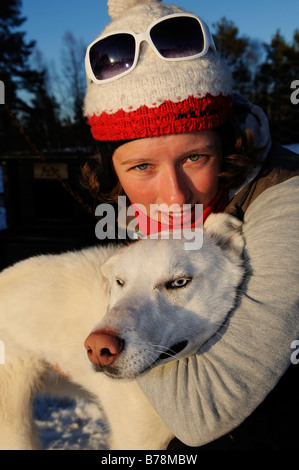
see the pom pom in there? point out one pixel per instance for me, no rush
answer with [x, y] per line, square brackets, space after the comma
[116, 8]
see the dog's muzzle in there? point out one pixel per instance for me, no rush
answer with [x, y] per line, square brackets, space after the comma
[105, 347]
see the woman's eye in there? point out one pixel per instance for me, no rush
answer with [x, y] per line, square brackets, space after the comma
[177, 283]
[194, 158]
[142, 167]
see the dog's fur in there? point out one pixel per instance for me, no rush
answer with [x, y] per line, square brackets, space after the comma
[164, 302]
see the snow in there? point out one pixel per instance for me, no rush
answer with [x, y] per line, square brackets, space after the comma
[293, 147]
[66, 424]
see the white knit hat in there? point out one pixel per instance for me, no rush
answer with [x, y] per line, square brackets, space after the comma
[158, 97]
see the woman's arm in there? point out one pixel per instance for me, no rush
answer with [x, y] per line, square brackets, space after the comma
[213, 392]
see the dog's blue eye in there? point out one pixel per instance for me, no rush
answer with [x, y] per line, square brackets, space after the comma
[177, 283]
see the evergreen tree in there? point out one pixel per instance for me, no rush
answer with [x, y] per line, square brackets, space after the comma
[233, 49]
[272, 87]
[42, 123]
[264, 73]
[15, 71]
[14, 54]
[26, 88]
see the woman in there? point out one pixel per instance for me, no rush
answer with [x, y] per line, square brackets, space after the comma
[170, 131]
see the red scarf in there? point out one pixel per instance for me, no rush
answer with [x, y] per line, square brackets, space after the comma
[147, 225]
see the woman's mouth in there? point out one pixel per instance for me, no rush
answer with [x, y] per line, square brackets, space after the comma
[182, 218]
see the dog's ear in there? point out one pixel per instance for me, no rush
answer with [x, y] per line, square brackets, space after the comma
[106, 269]
[226, 231]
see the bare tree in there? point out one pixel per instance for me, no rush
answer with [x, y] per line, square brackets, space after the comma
[73, 52]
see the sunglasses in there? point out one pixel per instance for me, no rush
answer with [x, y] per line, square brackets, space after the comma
[173, 37]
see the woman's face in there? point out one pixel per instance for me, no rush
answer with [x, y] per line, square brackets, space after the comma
[173, 169]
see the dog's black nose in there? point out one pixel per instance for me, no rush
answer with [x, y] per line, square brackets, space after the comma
[103, 347]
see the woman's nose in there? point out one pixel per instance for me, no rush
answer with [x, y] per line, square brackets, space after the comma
[174, 187]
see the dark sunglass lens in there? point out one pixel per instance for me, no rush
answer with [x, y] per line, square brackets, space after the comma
[178, 37]
[112, 55]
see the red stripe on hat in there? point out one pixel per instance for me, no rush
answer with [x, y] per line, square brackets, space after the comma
[190, 115]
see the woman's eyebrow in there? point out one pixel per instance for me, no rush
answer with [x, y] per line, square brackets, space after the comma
[202, 149]
[134, 161]
[137, 160]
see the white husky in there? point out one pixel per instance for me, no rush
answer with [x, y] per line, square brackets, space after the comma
[151, 302]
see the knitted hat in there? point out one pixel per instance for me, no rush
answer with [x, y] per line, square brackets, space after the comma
[158, 97]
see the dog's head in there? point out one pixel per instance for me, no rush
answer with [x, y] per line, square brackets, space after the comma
[165, 301]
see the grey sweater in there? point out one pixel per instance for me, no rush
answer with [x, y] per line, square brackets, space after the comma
[215, 390]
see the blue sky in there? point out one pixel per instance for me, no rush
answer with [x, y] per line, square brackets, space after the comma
[48, 20]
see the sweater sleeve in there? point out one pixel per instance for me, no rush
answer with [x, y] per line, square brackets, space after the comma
[211, 393]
